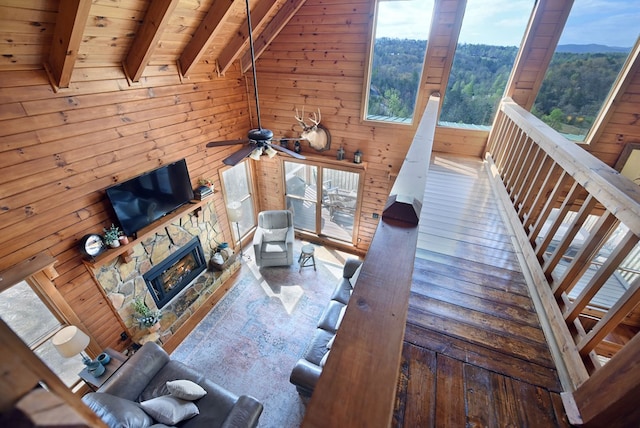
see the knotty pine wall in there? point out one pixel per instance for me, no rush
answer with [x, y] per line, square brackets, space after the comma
[59, 151]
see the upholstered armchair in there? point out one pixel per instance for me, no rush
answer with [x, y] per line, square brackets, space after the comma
[273, 240]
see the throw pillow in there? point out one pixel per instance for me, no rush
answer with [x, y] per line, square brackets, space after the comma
[330, 342]
[274, 235]
[117, 412]
[323, 361]
[169, 410]
[340, 316]
[185, 389]
[354, 277]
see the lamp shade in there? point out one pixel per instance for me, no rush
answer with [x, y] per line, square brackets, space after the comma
[70, 341]
[269, 151]
[234, 211]
[256, 153]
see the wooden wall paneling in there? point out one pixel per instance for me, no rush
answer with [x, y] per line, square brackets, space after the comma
[460, 141]
[617, 122]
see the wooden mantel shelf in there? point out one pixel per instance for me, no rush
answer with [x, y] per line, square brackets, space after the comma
[125, 251]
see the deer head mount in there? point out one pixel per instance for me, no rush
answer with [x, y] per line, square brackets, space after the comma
[317, 135]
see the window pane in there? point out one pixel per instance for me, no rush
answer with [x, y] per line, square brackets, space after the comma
[585, 64]
[339, 199]
[489, 38]
[25, 313]
[35, 324]
[400, 42]
[238, 191]
[300, 182]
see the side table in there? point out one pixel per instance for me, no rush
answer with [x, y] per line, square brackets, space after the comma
[117, 359]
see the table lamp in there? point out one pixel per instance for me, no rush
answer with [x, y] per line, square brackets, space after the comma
[71, 341]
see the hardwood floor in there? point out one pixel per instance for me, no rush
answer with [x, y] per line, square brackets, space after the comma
[474, 353]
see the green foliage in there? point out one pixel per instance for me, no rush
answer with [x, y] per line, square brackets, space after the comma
[576, 85]
[145, 316]
[111, 234]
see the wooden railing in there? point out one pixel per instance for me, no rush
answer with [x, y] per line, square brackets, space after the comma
[545, 179]
[358, 384]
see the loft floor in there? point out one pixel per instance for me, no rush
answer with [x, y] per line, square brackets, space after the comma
[474, 352]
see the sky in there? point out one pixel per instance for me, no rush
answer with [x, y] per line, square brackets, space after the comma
[503, 22]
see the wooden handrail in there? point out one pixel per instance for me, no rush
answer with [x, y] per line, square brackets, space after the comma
[358, 384]
[538, 171]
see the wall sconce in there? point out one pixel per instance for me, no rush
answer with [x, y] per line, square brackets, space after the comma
[357, 156]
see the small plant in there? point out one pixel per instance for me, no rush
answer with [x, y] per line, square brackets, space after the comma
[112, 234]
[206, 182]
[145, 316]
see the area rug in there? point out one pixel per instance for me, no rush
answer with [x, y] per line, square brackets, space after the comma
[250, 341]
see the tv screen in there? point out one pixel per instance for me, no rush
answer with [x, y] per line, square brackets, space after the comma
[142, 200]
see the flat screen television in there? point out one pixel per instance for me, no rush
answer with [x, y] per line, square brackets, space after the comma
[140, 201]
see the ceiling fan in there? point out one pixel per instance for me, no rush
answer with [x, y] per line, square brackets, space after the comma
[258, 140]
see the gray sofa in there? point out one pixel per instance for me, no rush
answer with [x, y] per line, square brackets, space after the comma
[144, 376]
[307, 370]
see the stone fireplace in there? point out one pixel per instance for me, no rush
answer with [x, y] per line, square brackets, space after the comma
[123, 282]
[175, 272]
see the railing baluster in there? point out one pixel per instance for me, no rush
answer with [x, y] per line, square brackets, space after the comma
[571, 232]
[616, 257]
[610, 321]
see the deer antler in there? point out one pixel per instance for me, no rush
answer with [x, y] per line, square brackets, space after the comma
[300, 118]
[316, 119]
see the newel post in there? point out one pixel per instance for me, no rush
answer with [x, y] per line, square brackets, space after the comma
[405, 200]
[610, 396]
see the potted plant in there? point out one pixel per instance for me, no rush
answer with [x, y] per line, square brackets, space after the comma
[112, 235]
[146, 317]
[206, 182]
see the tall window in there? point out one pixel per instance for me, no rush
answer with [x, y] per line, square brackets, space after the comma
[238, 192]
[594, 46]
[486, 50]
[35, 323]
[397, 59]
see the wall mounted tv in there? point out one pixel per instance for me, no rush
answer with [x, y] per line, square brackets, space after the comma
[142, 200]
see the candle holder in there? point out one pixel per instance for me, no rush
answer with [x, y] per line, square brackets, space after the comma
[357, 156]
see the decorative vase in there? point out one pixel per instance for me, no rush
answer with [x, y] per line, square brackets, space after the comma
[95, 368]
[114, 244]
[104, 358]
[154, 328]
[123, 240]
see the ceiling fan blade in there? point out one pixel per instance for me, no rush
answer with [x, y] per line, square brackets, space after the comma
[239, 155]
[287, 151]
[227, 142]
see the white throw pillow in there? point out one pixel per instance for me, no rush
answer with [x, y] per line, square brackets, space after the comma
[330, 342]
[340, 316]
[169, 410]
[274, 235]
[185, 389]
[354, 277]
[323, 361]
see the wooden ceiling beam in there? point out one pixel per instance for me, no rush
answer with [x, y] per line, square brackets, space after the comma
[70, 24]
[207, 31]
[240, 42]
[155, 21]
[271, 31]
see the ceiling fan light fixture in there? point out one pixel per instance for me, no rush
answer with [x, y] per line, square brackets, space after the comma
[269, 151]
[256, 153]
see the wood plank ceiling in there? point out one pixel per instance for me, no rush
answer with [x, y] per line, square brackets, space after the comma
[136, 34]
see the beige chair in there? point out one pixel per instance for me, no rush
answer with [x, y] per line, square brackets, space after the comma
[273, 240]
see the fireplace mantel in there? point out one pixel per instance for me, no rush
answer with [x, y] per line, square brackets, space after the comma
[124, 251]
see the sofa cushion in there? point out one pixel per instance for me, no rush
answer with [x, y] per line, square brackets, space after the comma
[330, 318]
[185, 389]
[273, 249]
[215, 406]
[274, 235]
[117, 412]
[169, 410]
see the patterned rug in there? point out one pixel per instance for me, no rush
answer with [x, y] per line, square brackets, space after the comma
[252, 338]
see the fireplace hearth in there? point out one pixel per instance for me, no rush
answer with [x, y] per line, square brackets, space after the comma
[174, 273]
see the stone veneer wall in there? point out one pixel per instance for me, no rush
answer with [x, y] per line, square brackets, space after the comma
[123, 282]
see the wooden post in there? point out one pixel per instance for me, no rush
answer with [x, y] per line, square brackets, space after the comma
[610, 396]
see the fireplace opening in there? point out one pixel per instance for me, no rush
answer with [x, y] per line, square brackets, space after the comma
[174, 273]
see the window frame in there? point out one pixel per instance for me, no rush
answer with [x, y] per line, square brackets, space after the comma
[251, 195]
[420, 96]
